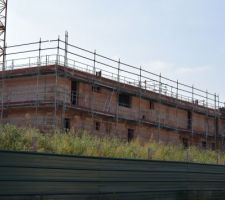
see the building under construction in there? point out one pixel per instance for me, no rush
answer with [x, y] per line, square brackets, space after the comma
[55, 85]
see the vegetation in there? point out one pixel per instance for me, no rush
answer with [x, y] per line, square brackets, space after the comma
[83, 144]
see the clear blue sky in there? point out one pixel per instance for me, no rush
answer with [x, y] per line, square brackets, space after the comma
[183, 39]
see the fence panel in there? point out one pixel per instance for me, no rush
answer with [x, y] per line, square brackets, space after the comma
[46, 176]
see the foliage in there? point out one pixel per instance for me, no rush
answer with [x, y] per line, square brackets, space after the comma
[83, 143]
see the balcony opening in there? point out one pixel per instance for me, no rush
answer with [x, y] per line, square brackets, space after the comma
[125, 100]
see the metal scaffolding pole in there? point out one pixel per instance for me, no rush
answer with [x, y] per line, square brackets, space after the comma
[207, 118]
[215, 131]
[66, 49]
[93, 92]
[3, 25]
[37, 84]
[65, 76]
[193, 109]
[140, 118]
[177, 90]
[160, 103]
[218, 118]
[56, 83]
[118, 91]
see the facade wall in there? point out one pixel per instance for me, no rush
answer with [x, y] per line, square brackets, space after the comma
[27, 89]
[30, 117]
[141, 117]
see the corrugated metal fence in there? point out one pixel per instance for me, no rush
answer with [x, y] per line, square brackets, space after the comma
[47, 177]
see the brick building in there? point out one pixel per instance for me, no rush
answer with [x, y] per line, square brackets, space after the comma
[85, 90]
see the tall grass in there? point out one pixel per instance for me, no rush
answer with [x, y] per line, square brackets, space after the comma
[84, 144]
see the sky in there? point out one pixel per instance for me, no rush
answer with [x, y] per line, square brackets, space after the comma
[182, 39]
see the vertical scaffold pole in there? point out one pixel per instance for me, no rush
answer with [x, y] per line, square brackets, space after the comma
[117, 92]
[140, 96]
[218, 117]
[65, 92]
[3, 25]
[37, 86]
[56, 84]
[215, 115]
[177, 91]
[207, 116]
[94, 68]
[160, 100]
[92, 99]
[39, 53]
[66, 49]
[193, 108]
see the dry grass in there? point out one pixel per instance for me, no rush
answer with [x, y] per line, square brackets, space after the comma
[83, 144]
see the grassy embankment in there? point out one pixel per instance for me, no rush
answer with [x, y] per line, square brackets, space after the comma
[83, 144]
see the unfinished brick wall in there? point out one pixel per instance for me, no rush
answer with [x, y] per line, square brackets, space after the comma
[98, 109]
[26, 89]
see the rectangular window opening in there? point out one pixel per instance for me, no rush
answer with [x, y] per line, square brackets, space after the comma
[66, 124]
[185, 143]
[96, 88]
[189, 120]
[74, 92]
[204, 144]
[130, 135]
[97, 126]
[125, 100]
[213, 146]
[151, 105]
[217, 126]
[107, 127]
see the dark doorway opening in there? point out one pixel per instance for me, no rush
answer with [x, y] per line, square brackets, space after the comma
[66, 124]
[189, 120]
[97, 126]
[213, 146]
[204, 144]
[130, 135]
[217, 126]
[74, 92]
[151, 105]
[185, 143]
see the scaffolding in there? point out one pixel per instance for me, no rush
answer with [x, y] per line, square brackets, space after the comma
[67, 60]
[3, 22]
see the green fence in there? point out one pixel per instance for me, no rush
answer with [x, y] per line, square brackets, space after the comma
[47, 177]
